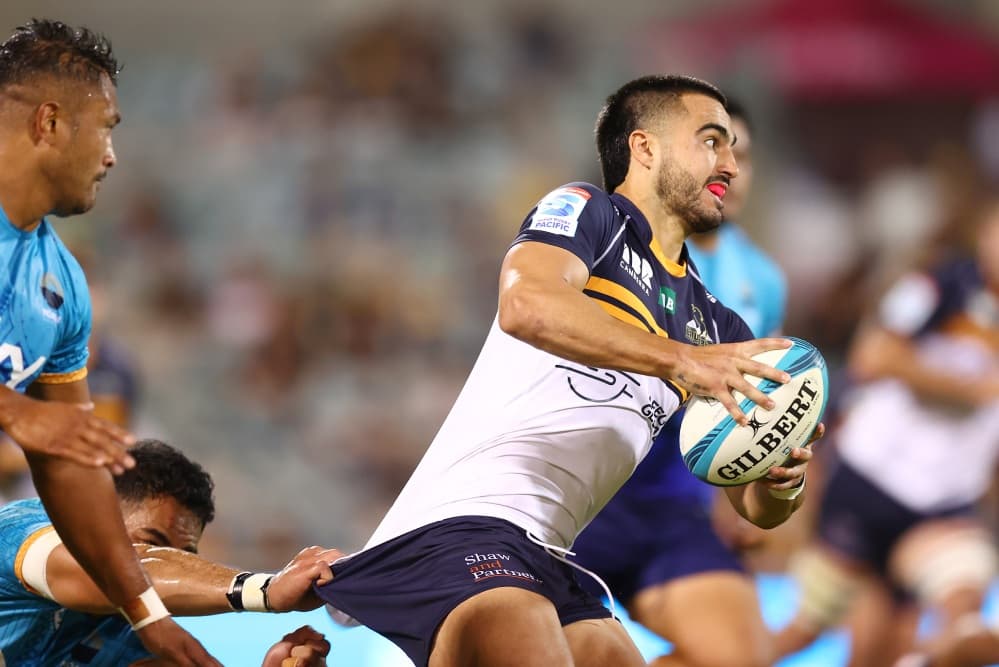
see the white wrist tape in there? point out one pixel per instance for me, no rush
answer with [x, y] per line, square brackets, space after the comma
[145, 609]
[248, 591]
[788, 494]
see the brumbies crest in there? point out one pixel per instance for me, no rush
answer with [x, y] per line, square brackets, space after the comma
[696, 329]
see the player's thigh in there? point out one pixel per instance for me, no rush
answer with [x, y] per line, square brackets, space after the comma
[712, 618]
[502, 627]
[601, 642]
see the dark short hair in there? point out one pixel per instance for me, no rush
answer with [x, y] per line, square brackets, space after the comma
[633, 105]
[42, 47]
[164, 472]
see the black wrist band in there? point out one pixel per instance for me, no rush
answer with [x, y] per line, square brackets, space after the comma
[235, 592]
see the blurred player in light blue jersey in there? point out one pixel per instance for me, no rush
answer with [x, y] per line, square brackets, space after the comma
[52, 614]
[654, 542]
[737, 272]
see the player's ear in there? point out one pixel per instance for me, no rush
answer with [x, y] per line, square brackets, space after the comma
[642, 145]
[46, 122]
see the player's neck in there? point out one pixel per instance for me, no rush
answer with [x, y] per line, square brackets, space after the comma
[667, 230]
[23, 201]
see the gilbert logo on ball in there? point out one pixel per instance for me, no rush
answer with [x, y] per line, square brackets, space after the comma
[719, 451]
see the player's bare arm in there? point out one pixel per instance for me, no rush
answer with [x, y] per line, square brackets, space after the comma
[94, 532]
[190, 585]
[305, 647]
[61, 426]
[541, 302]
[879, 353]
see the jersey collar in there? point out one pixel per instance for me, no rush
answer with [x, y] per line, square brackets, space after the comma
[641, 225]
[7, 227]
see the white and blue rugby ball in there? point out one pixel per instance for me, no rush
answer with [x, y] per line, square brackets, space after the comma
[719, 451]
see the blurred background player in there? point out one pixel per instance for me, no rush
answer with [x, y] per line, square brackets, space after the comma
[654, 543]
[917, 450]
[51, 612]
[58, 107]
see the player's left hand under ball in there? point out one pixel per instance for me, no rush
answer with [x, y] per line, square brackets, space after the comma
[792, 473]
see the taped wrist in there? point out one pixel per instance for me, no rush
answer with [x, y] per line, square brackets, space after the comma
[144, 610]
[248, 591]
[788, 494]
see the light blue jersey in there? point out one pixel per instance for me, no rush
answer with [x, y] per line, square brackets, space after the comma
[37, 632]
[44, 308]
[744, 278]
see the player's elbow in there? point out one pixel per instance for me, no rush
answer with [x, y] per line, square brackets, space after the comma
[520, 315]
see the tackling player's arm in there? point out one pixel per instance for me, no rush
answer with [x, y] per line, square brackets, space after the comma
[84, 508]
[541, 302]
[190, 585]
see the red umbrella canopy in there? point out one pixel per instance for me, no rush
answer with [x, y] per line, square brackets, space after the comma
[815, 49]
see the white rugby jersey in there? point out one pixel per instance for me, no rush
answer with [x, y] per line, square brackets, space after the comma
[544, 442]
[929, 456]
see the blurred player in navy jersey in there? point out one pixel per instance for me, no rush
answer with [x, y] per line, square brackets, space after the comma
[654, 542]
[917, 450]
[111, 371]
[603, 330]
[52, 614]
[58, 107]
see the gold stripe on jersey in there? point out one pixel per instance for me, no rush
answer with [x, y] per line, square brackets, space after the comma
[23, 552]
[672, 268]
[962, 326]
[684, 394]
[62, 378]
[623, 315]
[626, 317]
[618, 293]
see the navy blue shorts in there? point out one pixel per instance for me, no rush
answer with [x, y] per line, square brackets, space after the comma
[405, 588]
[862, 522]
[638, 544]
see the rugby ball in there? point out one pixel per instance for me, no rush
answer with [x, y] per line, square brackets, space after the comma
[719, 451]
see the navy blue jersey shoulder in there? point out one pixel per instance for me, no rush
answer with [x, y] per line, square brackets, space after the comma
[629, 276]
[956, 281]
[578, 217]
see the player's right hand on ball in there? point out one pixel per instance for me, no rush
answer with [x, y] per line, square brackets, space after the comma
[716, 371]
[67, 431]
[174, 646]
